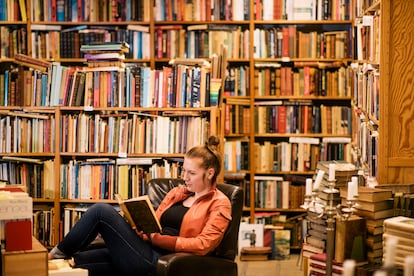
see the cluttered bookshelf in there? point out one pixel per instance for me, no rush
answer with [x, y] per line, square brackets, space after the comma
[290, 87]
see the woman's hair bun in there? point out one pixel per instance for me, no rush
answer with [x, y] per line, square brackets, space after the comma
[213, 141]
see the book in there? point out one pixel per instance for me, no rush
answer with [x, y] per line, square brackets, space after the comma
[373, 206]
[140, 214]
[18, 235]
[368, 194]
[399, 223]
[281, 244]
[375, 215]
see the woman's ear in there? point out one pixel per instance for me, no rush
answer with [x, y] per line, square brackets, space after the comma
[210, 173]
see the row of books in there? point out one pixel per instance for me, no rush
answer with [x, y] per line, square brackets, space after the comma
[301, 10]
[236, 119]
[12, 40]
[167, 10]
[367, 142]
[276, 192]
[35, 175]
[103, 178]
[11, 10]
[203, 40]
[43, 216]
[291, 42]
[366, 38]
[26, 132]
[366, 79]
[291, 117]
[90, 10]
[54, 42]
[109, 86]
[123, 134]
[299, 154]
[313, 79]
[126, 133]
[197, 41]
[236, 155]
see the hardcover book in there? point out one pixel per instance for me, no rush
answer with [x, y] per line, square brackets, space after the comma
[140, 214]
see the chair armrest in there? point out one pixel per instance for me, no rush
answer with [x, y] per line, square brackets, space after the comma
[188, 264]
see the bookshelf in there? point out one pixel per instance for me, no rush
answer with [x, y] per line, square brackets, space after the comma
[383, 91]
[164, 33]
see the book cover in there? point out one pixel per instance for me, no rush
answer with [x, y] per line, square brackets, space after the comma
[281, 244]
[250, 235]
[368, 194]
[18, 235]
[140, 214]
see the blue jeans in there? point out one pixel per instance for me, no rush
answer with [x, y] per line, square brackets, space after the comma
[125, 253]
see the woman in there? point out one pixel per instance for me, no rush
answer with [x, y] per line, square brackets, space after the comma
[194, 218]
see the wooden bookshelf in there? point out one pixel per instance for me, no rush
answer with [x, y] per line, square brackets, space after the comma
[159, 37]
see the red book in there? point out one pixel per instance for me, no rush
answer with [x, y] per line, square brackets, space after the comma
[285, 42]
[281, 115]
[18, 235]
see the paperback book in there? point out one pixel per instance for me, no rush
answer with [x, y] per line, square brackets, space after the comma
[140, 214]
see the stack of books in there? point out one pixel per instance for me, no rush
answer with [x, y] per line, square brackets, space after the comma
[111, 54]
[375, 205]
[343, 174]
[315, 239]
[317, 266]
[401, 228]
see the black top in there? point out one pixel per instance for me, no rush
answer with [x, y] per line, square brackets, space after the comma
[172, 218]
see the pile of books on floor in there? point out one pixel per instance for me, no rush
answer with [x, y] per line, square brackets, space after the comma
[317, 266]
[315, 239]
[375, 205]
[402, 229]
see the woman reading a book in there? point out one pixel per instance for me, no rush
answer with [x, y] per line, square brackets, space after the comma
[193, 217]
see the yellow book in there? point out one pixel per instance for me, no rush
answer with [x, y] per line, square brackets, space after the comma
[140, 214]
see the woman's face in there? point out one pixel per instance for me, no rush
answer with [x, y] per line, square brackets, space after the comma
[197, 179]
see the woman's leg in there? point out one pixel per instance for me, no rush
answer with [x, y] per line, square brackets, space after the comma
[128, 252]
[97, 261]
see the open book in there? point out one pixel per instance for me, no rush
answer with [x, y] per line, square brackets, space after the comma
[140, 213]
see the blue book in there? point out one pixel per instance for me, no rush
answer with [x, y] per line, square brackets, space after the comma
[60, 10]
[3, 10]
[45, 91]
[145, 79]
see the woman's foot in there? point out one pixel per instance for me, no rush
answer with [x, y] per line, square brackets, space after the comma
[55, 253]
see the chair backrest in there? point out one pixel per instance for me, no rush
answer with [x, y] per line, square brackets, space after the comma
[159, 187]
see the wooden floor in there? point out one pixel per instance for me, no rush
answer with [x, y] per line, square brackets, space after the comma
[291, 267]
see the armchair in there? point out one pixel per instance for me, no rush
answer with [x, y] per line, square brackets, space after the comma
[221, 261]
